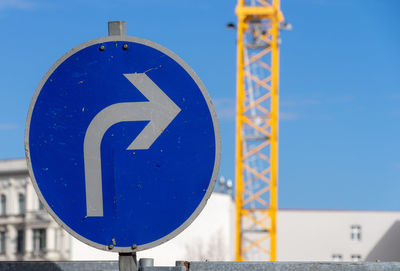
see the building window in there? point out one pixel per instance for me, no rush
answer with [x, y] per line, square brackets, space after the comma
[21, 204]
[355, 233]
[337, 257]
[2, 242]
[20, 241]
[3, 202]
[355, 258]
[39, 240]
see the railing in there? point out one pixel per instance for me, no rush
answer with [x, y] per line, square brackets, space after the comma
[147, 265]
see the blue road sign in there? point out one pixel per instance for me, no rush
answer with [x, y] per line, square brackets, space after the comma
[122, 143]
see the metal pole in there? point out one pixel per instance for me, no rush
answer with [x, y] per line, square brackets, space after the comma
[128, 262]
[117, 28]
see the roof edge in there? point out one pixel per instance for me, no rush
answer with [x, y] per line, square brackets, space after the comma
[13, 166]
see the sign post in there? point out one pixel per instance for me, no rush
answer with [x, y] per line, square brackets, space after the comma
[122, 144]
[127, 261]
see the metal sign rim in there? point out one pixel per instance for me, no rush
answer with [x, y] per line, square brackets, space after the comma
[213, 114]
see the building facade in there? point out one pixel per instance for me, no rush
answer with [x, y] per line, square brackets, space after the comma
[28, 232]
[338, 235]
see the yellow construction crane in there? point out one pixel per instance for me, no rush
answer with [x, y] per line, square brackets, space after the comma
[257, 128]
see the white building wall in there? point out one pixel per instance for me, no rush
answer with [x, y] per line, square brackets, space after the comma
[83, 252]
[316, 235]
[209, 237]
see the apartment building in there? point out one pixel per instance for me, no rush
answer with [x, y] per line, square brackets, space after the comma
[27, 231]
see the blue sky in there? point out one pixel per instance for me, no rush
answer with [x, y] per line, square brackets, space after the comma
[340, 94]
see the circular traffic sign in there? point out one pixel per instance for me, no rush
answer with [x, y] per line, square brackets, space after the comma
[122, 143]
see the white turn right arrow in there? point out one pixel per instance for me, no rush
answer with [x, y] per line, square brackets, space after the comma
[160, 110]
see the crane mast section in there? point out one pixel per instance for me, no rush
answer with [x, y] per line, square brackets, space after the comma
[257, 115]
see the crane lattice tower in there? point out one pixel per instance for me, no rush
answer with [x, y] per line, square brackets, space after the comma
[257, 128]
